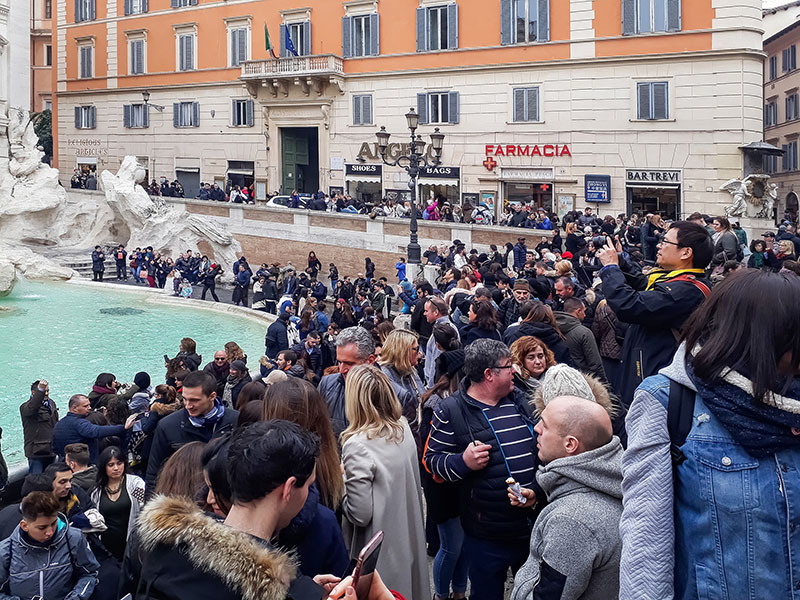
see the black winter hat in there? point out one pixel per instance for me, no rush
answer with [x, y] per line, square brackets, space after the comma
[142, 380]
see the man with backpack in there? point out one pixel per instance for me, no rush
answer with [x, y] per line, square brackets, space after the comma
[655, 306]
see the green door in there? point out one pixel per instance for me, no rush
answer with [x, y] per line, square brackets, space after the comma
[293, 158]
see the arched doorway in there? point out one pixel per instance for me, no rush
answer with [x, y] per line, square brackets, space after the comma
[791, 207]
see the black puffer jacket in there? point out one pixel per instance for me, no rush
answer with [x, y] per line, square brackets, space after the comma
[39, 417]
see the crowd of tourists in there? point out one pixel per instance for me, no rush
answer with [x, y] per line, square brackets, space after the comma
[608, 414]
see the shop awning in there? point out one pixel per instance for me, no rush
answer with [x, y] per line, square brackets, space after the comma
[187, 169]
[365, 178]
[240, 171]
[437, 181]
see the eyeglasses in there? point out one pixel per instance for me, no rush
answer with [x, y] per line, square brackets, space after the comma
[671, 243]
[219, 359]
[502, 367]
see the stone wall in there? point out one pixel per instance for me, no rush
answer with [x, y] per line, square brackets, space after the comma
[281, 235]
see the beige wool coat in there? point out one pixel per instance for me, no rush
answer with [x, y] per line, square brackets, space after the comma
[382, 492]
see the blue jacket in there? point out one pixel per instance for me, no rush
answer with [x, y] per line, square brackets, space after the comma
[66, 566]
[277, 338]
[73, 429]
[734, 516]
[546, 224]
[520, 255]
[401, 270]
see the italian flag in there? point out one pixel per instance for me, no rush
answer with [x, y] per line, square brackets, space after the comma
[267, 43]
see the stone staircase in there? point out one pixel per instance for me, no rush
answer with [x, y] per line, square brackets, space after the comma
[81, 261]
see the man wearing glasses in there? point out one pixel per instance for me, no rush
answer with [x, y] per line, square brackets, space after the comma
[219, 369]
[655, 306]
[482, 436]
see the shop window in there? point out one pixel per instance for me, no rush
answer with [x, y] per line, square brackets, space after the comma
[362, 109]
[792, 111]
[85, 10]
[135, 7]
[770, 114]
[181, 3]
[526, 104]
[524, 21]
[650, 16]
[186, 52]
[437, 27]
[186, 114]
[136, 53]
[773, 67]
[85, 117]
[240, 47]
[242, 113]
[789, 56]
[300, 35]
[360, 36]
[652, 101]
[438, 107]
[85, 61]
[789, 162]
[135, 116]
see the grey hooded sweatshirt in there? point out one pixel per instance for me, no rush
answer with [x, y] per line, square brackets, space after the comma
[575, 543]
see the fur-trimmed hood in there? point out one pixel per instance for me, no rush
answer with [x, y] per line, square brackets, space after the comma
[164, 409]
[253, 570]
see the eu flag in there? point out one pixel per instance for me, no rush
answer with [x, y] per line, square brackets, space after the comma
[290, 49]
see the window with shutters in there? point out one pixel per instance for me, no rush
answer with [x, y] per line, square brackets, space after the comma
[186, 51]
[136, 116]
[85, 117]
[653, 100]
[135, 7]
[85, 60]
[650, 16]
[297, 31]
[239, 45]
[48, 55]
[242, 113]
[789, 162]
[527, 21]
[770, 164]
[770, 114]
[136, 56]
[438, 107]
[48, 9]
[186, 114]
[792, 112]
[360, 35]
[85, 10]
[526, 104]
[362, 109]
[773, 67]
[789, 59]
[182, 3]
[437, 27]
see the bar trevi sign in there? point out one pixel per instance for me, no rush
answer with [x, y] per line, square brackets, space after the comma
[653, 176]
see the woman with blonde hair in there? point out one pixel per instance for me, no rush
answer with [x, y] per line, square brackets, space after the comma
[398, 361]
[382, 483]
[530, 359]
[575, 240]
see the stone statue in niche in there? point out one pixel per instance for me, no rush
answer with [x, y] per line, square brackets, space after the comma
[753, 196]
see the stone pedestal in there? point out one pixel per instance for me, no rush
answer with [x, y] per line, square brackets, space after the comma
[754, 227]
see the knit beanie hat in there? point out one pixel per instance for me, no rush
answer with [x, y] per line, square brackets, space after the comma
[521, 284]
[239, 366]
[142, 380]
[562, 380]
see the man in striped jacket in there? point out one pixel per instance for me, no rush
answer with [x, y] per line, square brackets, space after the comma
[481, 436]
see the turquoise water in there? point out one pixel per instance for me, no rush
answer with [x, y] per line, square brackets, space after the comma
[68, 334]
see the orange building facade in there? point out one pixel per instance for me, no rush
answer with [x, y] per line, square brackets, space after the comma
[623, 104]
[41, 55]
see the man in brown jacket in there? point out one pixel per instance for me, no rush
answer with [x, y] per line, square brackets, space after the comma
[39, 415]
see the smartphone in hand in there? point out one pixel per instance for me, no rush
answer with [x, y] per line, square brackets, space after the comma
[366, 564]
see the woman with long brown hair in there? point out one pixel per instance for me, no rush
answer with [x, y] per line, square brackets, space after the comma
[538, 320]
[530, 359]
[298, 401]
[314, 534]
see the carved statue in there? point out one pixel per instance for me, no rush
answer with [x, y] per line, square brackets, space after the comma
[738, 189]
[770, 197]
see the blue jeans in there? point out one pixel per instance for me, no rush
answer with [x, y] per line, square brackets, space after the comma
[38, 465]
[450, 563]
[489, 562]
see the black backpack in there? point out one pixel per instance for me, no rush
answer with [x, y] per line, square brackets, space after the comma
[680, 413]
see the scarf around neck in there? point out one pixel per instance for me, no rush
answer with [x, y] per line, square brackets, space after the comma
[660, 275]
[213, 416]
[762, 428]
[101, 389]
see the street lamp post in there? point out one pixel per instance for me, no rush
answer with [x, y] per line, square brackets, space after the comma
[413, 164]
